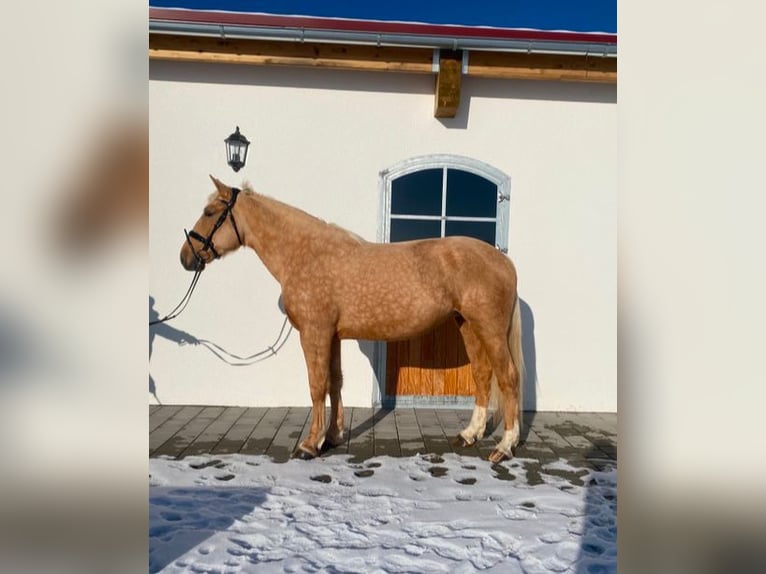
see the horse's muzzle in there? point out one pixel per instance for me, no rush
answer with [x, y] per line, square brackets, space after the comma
[192, 263]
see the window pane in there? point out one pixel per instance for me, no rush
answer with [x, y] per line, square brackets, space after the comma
[418, 193]
[406, 229]
[484, 230]
[470, 195]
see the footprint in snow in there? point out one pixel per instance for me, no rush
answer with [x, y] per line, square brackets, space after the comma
[467, 481]
[206, 464]
[321, 478]
[434, 458]
[364, 473]
[225, 477]
[438, 471]
[502, 473]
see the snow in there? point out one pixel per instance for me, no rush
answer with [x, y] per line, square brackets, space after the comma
[446, 513]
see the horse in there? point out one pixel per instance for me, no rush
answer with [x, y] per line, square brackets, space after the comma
[333, 289]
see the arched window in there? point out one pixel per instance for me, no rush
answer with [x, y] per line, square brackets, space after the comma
[436, 196]
[444, 195]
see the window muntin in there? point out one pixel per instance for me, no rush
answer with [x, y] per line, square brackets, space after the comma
[440, 202]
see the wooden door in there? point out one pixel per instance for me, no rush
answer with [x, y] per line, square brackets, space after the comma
[434, 364]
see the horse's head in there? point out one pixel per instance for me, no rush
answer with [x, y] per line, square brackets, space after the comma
[215, 233]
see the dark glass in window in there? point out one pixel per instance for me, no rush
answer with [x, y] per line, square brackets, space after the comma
[407, 229]
[418, 193]
[484, 230]
[470, 195]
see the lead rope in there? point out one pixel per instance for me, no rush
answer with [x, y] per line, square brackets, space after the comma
[239, 361]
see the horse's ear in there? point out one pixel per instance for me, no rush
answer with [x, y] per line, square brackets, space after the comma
[223, 190]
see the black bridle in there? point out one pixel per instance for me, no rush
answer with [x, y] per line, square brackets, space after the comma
[207, 245]
[207, 242]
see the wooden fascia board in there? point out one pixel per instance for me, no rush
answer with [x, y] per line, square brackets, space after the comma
[280, 53]
[560, 67]
[483, 64]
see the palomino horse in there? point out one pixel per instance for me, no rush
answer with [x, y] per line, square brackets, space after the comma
[333, 288]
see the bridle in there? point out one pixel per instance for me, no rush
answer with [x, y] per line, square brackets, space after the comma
[207, 245]
[207, 242]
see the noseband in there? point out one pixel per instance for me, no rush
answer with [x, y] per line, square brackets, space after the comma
[207, 242]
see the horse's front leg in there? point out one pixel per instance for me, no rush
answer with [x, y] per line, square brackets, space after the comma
[317, 352]
[335, 431]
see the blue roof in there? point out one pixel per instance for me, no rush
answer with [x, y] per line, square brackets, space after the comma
[570, 15]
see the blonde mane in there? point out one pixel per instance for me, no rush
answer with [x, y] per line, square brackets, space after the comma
[303, 216]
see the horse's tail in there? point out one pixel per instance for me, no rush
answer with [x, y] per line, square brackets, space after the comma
[517, 354]
[517, 357]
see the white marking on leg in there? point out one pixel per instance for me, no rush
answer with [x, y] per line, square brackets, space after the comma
[475, 429]
[510, 438]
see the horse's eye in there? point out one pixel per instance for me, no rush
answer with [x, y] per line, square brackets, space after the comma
[208, 213]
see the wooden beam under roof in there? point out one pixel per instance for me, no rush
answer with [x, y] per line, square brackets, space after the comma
[448, 80]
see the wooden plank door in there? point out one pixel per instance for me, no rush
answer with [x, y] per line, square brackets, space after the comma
[434, 364]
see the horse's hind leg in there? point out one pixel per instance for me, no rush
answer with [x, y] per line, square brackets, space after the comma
[335, 430]
[317, 352]
[494, 337]
[482, 374]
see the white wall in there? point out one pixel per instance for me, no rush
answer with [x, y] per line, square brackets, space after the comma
[319, 140]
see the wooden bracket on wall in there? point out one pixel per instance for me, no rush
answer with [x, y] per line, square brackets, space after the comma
[448, 79]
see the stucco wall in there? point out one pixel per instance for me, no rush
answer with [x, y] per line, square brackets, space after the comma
[319, 140]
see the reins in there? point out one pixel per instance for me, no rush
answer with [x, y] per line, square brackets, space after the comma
[184, 301]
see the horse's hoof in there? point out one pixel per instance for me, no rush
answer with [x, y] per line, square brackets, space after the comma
[460, 441]
[302, 454]
[327, 445]
[497, 456]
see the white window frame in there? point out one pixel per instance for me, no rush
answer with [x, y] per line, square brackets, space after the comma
[412, 165]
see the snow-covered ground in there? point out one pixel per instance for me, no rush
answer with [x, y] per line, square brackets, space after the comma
[449, 513]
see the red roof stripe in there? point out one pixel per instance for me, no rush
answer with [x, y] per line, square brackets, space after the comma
[371, 26]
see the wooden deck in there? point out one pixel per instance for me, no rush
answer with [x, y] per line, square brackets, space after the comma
[584, 439]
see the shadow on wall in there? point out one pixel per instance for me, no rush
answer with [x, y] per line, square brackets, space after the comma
[166, 332]
[529, 351]
[232, 359]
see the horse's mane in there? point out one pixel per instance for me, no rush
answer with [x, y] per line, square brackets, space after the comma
[302, 216]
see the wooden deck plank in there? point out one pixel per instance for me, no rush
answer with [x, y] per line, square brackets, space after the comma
[263, 433]
[213, 434]
[289, 433]
[190, 431]
[361, 441]
[159, 416]
[171, 426]
[410, 439]
[386, 438]
[153, 408]
[433, 435]
[239, 432]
